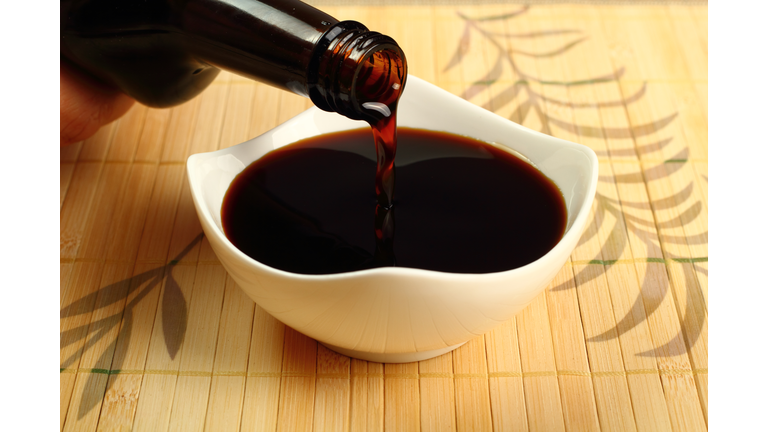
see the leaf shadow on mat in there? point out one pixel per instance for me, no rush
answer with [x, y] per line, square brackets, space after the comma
[693, 322]
[638, 219]
[174, 317]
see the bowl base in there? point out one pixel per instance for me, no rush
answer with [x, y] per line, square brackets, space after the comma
[392, 358]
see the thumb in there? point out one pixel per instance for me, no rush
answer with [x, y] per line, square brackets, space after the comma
[86, 104]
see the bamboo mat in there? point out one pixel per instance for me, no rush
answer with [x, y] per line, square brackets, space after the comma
[156, 336]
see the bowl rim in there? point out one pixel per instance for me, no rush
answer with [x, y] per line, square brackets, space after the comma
[571, 235]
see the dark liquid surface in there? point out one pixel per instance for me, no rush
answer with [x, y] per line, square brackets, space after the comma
[461, 206]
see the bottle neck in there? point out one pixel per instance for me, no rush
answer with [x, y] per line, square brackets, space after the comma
[356, 72]
[288, 44]
[271, 41]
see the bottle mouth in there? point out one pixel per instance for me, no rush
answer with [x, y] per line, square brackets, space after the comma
[357, 73]
[379, 82]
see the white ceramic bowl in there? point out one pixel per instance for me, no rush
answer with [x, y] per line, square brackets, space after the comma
[398, 314]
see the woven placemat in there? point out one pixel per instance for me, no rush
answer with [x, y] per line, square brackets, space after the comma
[156, 336]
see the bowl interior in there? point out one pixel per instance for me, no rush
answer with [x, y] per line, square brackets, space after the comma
[572, 167]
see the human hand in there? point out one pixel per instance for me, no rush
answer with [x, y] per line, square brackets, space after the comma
[86, 104]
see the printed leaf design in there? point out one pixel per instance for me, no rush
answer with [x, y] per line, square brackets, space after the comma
[552, 53]
[660, 204]
[644, 305]
[461, 49]
[693, 321]
[615, 103]
[614, 76]
[111, 358]
[504, 98]
[654, 288]
[491, 77]
[683, 218]
[638, 150]
[616, 133]
[174, 316]
[536, 34]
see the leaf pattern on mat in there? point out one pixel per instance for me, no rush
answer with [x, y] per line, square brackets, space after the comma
[174, 316]
[555, 52]
[527, 97]
[461, 49]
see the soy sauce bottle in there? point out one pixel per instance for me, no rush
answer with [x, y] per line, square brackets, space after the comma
[165, 52]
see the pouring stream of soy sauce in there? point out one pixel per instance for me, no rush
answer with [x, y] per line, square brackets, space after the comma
[379, 87]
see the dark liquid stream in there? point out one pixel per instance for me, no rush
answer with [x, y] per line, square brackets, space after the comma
[379, 88]
[462, 206]
[385, 137]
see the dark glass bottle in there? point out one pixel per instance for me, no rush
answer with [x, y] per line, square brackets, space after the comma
[165, 52]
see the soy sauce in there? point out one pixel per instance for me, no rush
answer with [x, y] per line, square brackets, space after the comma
[379, 87]
[462, 206]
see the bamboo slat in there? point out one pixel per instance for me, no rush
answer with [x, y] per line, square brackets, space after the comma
[135, 329]
[263, 117]
[262, 389]
[73, 217]
[297, 389]
[665, 326]
[648, 410]
[155, 336]
[691, 139]
[95, 148]
[576, 390]
[210, 117]
[109, 302]
[152, 140]
[648, 403]
[540, 383]
[367, 396]
[178, 137]
[436, 393]
[180, 227]
[612, 395]
[473, 404]
[506, 378]
[237, 122]
[401, 397]
[127, 133]
[70, 153]
[65, 176]
[68, 156]
[611, 402]
[227, 391]
[231, 362]
[78, 296]
[332, 392]
[198, 352]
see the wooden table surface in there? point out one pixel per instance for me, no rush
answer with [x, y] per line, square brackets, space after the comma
[156, 336]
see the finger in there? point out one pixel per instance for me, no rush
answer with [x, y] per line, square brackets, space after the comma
[86, 104]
